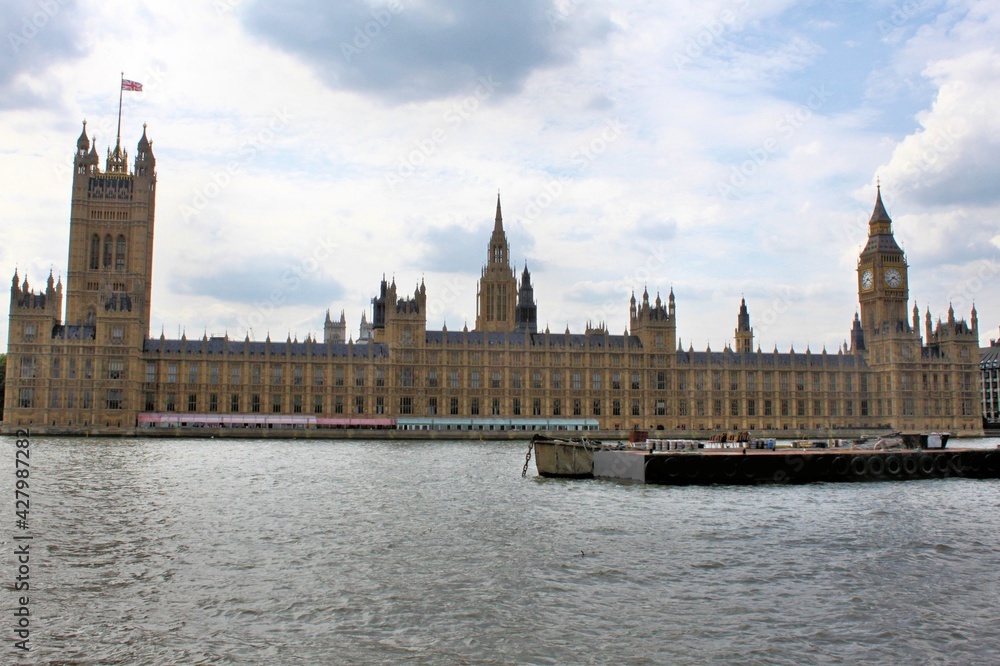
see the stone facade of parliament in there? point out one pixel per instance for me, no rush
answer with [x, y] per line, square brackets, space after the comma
[96, 369]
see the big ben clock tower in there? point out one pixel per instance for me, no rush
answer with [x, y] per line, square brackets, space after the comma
[883, 290]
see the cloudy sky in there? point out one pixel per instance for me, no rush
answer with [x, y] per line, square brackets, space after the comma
[726, 149]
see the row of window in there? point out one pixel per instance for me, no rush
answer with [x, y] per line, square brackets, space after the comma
[556, 379]
[116, 370]
[558, 407]
[407, 405]
[99, 259]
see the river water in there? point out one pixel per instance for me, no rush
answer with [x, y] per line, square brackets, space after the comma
[309, 552]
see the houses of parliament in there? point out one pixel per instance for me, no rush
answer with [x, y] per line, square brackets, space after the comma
[94, 367]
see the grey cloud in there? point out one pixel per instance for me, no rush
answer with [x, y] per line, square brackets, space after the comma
[410, 51]
[457, 249]
[279, 281]
[970, 182]
[36, 35]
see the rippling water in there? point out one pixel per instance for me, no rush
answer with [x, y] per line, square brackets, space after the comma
[287, 552]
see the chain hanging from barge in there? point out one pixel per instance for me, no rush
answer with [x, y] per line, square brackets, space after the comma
[527, 459]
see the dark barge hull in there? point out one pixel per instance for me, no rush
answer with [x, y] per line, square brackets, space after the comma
[733, 467]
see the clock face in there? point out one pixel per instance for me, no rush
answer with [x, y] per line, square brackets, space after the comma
[893, 278]
[866, 280]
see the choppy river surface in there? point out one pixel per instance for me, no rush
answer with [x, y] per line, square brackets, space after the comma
[307, 552]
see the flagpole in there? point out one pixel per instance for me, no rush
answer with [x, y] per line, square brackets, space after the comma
[121, 86]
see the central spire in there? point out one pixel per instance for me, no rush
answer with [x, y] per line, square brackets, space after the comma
[498, 285]
[498, 224]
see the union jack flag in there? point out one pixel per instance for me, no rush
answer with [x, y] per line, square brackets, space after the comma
[131, 85]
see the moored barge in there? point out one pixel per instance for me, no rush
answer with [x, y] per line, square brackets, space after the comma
[751, 466]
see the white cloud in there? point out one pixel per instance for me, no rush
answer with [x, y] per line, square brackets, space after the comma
[951, 159]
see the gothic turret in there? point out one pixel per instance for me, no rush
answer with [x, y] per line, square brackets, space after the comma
[145, 162]
[83, 143]
[654, 322]
[335, 331]
[85, 161]
[526, 317]
[744, 333]
[497, 293]
[857, 335]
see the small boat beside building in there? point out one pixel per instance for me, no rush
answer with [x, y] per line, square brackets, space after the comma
[895, 458]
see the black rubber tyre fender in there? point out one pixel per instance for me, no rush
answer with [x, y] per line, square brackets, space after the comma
[859, 466]
[875, 465]
[730, 467]
[893, 466]
[911, 465]
[926, 465]
[672, 467]
[692, 467]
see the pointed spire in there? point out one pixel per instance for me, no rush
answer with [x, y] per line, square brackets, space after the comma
[83, 143]
[879, 214]
[498, 223]
[144, 141]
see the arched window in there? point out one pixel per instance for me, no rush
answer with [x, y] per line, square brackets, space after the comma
[107, 251]
[95, 252]
[120, 253]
